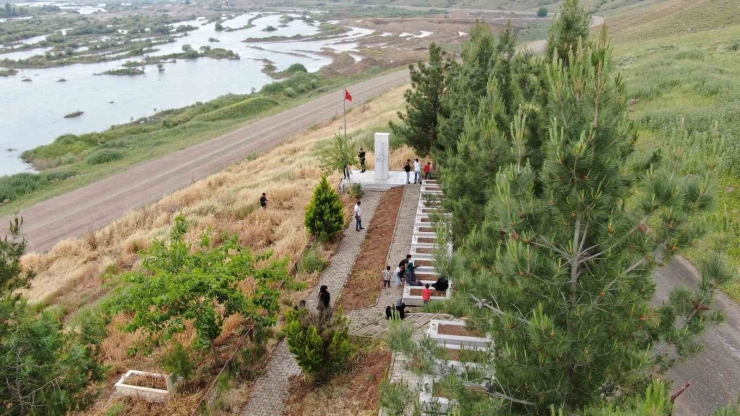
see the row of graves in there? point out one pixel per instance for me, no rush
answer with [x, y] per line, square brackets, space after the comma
[446, 346]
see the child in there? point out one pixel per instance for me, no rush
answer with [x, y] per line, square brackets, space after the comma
[263, 200]
[387, 277]
[426, 294]
[428, 171]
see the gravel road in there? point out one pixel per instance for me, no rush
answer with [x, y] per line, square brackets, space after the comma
[714, 373]
[96, 205]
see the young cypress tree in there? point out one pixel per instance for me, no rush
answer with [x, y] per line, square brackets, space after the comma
[325, 215]
[423, 103]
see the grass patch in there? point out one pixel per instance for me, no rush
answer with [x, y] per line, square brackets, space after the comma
[103, 156]
[691, 80]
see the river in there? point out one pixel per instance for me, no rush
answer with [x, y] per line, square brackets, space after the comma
[32, 113]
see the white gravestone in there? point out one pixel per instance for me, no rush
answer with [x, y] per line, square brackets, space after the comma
[382, 157]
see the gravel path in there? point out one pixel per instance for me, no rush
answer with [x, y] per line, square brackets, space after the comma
[271, 391]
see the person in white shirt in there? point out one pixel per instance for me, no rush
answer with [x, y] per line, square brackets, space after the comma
[417, 171]
[387, 277]
[397, 273]
[358, 216]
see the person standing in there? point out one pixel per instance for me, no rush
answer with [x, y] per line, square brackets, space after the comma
[417, 171]
[387, 277]
[346, 171]
[398, 273]
[358, 216]
[324, 297]
[400, 308]
[426, 294]
[361, 155]
[428, 171]
[407, 169]
[263, 200]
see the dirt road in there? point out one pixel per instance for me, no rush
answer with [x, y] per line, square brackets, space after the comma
[95, 205]
[714, 373]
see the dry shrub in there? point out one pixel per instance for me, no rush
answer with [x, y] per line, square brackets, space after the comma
[136, 242]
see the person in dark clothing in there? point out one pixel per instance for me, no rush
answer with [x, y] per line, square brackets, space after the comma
[361, 155]
[411, 280]
[441, 284]
[388, 312]
[324, 297]
[410, 267]
[263, 200]
[407, 169]
[402, 265]
[401, 308]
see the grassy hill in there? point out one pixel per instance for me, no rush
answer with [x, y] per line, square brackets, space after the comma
[680, 60]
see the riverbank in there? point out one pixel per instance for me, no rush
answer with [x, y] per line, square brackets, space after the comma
[73, 162]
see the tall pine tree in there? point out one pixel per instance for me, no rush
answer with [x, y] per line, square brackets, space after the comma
[567, 276]
[566, 31]
[423, 103]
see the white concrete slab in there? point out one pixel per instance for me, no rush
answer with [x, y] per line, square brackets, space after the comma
[368, 181]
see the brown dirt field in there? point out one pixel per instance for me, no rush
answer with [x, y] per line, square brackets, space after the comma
[419, 292]
[457, 330]
[426, 220]
[147, 381]
[352, 393]
[419, 263]
[426, 229]
[424, 250]
[364, 283]
[427, 240]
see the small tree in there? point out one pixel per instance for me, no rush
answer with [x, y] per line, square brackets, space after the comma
[219, 27]
[45, 369]
[319, 341]
[542, 12]
[423, 102]
[337, 154]
[179, 284]
[325, 213]
[566, 31]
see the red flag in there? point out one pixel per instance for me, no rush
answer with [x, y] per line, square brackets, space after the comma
[347, 96]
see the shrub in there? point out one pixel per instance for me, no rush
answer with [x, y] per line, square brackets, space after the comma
[296, 68]
[312, 260]
[15, 186]
[325, 215]
[243, 109]
[103, 156]
[177, 361]
[356, 191]
[542, 12]
[395, 398]
[319, 341]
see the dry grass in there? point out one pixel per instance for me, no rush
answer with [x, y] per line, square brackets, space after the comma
[73, 273]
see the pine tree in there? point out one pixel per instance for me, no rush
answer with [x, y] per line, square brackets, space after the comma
[423, 103]
[325, 214]
[567, 276]
[467, 85]
[46, 368]
[572, 25]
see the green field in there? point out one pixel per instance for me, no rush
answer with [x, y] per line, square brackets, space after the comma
[677, 78]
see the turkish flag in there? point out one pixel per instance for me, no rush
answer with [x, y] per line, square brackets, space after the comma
[347, 96]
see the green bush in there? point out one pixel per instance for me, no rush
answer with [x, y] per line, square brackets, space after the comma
[103, 156]
[15, 186]
[542, 12]
[325, 214]
[177, 361]
[312, 260]
[355, 191]
[296, 68]
[319, 341]
[245, 109]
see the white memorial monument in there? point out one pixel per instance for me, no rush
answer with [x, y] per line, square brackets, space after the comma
[382, 156]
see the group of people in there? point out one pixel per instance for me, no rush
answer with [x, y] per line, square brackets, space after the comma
[405, 273]
[406, 167]
[417, 171]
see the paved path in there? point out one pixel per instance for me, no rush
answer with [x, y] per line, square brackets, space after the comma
[714, 373]
[398, 251]
[96, 205]
[271, 391]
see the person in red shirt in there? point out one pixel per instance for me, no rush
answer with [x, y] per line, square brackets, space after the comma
[426, 294]
[428, 170]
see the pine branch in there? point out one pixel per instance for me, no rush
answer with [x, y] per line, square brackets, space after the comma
[484, 303]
